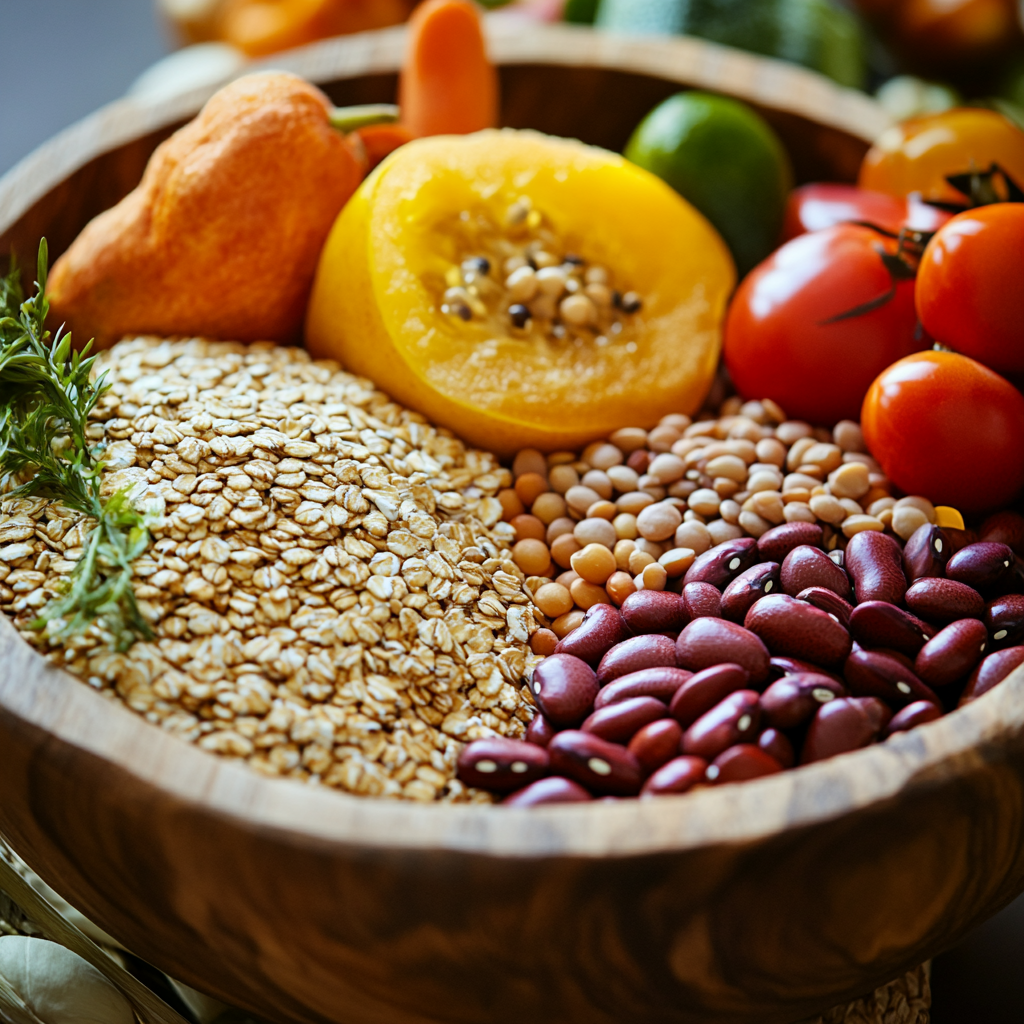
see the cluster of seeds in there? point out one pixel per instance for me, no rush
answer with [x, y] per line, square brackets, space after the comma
[517, 283]
[634, 511]
[329, 583]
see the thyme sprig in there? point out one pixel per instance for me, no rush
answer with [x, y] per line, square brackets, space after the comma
[46, 395]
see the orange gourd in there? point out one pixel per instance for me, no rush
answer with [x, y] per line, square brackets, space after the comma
[222, 235]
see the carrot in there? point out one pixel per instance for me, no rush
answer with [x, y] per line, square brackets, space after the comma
[448, 85]
[378, 140]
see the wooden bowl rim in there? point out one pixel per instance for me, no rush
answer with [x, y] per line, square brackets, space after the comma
[73, 714]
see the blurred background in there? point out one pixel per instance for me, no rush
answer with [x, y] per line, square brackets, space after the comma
[64, 58]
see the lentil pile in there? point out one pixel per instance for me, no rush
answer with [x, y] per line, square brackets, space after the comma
[519, 281]
[329, 580]
[635, 511]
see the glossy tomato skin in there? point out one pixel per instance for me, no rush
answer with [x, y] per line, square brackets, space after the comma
[777, 344]
[826, 204]
[970, 286]
[948, 428]
[917, 155]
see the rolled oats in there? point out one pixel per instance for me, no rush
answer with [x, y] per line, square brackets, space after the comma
[329, 580]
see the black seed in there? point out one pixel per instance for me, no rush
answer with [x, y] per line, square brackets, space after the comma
[520, 315]
[477, 264]
[572, 258]
[463, 311]
[631, 302]
[531, 262]
[617, 299]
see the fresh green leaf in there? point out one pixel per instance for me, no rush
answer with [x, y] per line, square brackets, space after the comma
[47, 394]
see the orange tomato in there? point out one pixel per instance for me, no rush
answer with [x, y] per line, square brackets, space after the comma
[916, 156]
[946, 427]
[970, 286]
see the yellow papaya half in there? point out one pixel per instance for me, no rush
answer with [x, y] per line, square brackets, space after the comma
[523, 290]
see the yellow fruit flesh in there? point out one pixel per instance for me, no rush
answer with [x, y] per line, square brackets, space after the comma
[376, 303]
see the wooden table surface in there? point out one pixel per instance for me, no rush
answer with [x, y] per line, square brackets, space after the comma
[63, 58]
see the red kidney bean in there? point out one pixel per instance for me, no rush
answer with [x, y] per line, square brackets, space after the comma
[656, 744]
[959, 539]
[564, 688]
[848, 723]
[707, 642]
[952, 654]
[773, 545]
[918, 713]
[880, 624]
[723, 562]
[748, 587]
[782, 666]
[984, 566]
[501, 765]
[654, 611]
[1004, 528]
[679, 775]
[810, 567]
[601, 629]
[875, 564]
[793, 700]
[874, 674]
[540, 731]
[601, 766]
[661, 682]
[779, 746]
[740, 763]
[1005, 620]
[828, 601]
[705, 690]
[648, 651]
[944, 601]
[734, 720]
[793, 627]
[702, 600]
[621, 721]
[907, 663]
[926, 553]
[992, 671]
[552, 790]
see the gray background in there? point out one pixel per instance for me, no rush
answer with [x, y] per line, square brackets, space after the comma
[60, 59]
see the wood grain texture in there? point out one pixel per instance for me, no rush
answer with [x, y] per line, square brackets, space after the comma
[766, 902]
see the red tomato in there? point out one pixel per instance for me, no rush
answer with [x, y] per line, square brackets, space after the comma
[948, 428]
[814, 207]
[970, 286]
[779, 345]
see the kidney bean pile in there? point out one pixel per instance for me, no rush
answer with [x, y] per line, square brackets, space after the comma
[772, 653]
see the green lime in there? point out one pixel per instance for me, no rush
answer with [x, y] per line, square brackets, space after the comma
[726, 160]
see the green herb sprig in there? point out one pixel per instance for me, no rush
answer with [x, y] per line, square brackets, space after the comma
[46, 395]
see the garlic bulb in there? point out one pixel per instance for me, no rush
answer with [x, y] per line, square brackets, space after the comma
[58, 985]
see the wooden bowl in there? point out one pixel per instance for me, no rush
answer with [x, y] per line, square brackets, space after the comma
[761, 902]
